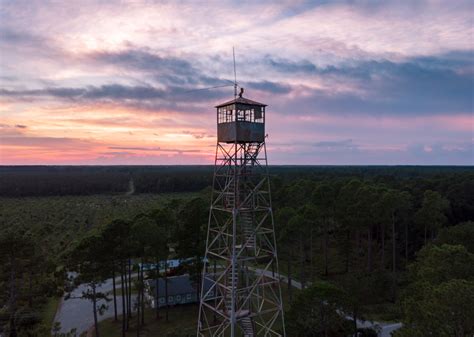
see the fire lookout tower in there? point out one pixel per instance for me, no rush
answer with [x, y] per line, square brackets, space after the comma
[244, 299]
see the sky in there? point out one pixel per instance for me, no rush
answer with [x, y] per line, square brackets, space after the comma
[346, 83]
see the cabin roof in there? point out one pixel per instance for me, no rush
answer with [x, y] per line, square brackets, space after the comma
[241, 100]
[177, 285]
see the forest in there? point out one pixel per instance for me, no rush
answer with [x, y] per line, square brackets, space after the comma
[388, 244]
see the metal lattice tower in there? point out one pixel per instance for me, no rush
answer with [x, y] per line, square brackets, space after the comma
[240, 265]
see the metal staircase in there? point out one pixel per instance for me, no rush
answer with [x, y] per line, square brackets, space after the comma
[243, 319]
[229, 198]
[246, 324]
[231, 284]
[248, 230]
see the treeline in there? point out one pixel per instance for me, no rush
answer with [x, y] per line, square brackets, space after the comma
[28, 278]
[116, 251]
[35, 181]
[352, 242]
[21, 181]
[437, 300]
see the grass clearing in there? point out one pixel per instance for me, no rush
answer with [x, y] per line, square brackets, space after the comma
[182, 320]
[49, 311]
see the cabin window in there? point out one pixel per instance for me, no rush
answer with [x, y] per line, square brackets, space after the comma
[226, 114]
[241, 115]
[232, 113]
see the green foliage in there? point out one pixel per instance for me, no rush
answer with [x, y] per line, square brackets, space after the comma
[395, 203]
[367, 332]
[314, 312]
[440, 298]
[87, 258]
[25, 279]
[57, 328]
[191, 237]
[55, 222]
[437, 264]
[432, 214]
[358, 289]
[461, 234]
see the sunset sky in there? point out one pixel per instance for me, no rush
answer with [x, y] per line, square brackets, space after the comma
[84, 82]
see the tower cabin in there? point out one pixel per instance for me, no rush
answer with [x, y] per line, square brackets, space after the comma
[241, 121]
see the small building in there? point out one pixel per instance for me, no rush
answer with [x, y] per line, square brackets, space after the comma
[171, 265]
[241, 121]
[181, 290]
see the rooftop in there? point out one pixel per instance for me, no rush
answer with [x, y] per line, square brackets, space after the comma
[241, 100]
[177, 285]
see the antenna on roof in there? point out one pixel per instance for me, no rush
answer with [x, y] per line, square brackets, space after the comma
[235, 74]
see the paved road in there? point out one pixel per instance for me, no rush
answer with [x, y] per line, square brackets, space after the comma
[78, 313]
[384, 329]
